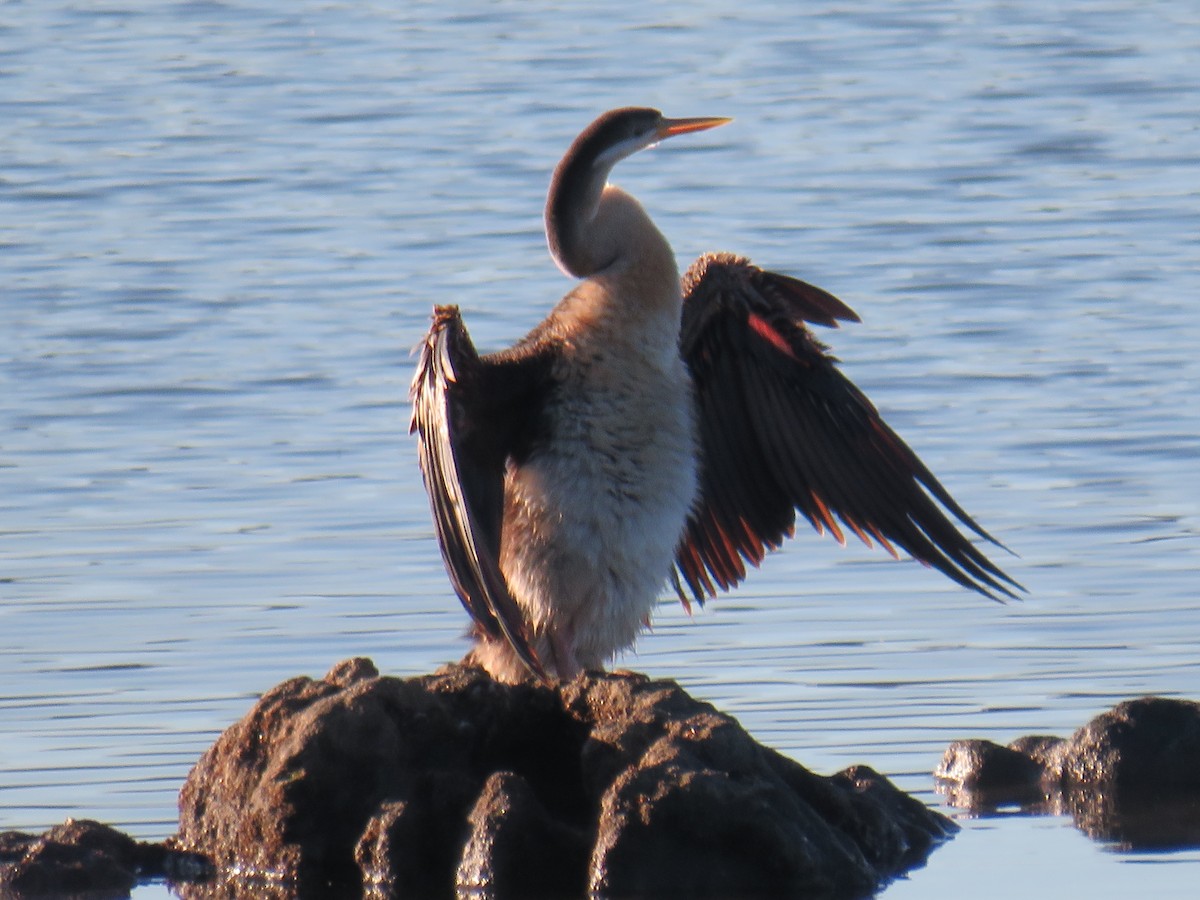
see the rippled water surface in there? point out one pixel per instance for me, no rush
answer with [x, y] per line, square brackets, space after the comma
[222, 225]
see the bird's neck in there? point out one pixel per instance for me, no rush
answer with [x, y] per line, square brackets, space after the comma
[571, 207]
[635, 298]
[584, 215]
[603, 233]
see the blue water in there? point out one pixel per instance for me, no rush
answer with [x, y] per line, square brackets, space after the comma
[222, 226]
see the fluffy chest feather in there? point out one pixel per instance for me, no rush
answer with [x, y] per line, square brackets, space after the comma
[622, 427]
[593, 517]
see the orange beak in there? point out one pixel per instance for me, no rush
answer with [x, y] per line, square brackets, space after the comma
[671, 127]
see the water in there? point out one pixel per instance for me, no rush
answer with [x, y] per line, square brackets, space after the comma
[222, 225]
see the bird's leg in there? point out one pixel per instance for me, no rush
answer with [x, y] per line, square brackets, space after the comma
[562, 647]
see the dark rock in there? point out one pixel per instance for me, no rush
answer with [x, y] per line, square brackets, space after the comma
[408, 845]
[516, 848]
[1043, 749]
[452, 782]
[1153, 742]
[80, 856]
[1129, 776]
[982, 774]
[887, 824]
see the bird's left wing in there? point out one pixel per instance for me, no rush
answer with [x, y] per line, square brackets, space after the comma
[469, 412]
[782, 429]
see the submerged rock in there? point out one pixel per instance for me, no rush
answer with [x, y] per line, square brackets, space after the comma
[613, 784]
[83, 857]
[1130, 776]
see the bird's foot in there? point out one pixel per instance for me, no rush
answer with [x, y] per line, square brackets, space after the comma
[562, 648]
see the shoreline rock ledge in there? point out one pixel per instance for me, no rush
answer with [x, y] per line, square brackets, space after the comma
[613, 785]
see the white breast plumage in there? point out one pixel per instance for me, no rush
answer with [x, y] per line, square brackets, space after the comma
[601, 505]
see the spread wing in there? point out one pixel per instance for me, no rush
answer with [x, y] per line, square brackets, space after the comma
[783, 430]
[470, 413]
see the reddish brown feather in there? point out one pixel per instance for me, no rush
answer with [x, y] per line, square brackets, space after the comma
[829, 520]
[764, 330]
[884, 542]
[854, 526]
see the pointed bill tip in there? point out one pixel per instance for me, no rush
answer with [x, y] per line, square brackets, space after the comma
[672, 127]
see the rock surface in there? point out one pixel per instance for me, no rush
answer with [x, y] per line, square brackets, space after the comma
[83, 857]
[1131, 775]
[611, 783]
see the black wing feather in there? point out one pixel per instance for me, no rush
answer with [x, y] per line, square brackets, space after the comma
[471, 413]
[783, 430]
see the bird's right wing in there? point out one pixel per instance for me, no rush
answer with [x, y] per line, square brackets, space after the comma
[468, 412]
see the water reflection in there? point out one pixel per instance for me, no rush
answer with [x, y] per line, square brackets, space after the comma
[224, 224]
[1125, 819]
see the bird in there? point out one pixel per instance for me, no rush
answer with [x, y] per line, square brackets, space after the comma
[652, 431]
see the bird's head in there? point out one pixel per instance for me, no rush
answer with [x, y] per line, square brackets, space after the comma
[579, 180]
[620, 133]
